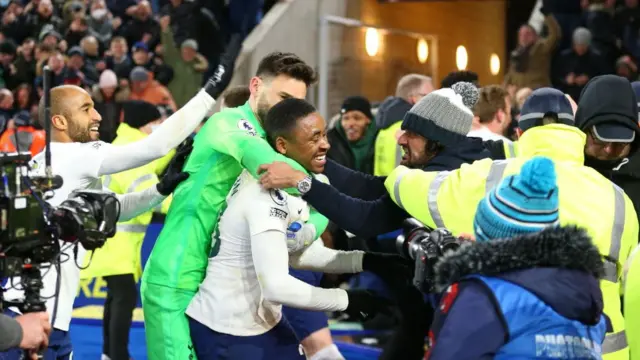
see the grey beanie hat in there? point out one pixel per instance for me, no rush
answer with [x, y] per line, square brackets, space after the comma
[444, 115]
[582, 36]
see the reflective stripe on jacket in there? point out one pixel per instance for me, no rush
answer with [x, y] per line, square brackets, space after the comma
[587, 199]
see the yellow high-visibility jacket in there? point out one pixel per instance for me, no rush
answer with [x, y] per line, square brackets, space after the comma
[388, 153]
[587, 199]
[121, 254]
[631, 281]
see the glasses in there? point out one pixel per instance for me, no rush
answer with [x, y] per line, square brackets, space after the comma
[615, 146]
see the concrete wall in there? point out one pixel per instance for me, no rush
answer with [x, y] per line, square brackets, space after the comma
[290, 26]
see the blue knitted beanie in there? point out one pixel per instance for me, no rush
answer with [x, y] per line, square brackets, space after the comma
[520, 204]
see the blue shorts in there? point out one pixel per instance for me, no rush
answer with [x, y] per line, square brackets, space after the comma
[59, 346]
[278, 343]
[305, 322]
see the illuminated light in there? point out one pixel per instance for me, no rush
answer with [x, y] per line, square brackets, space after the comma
[372, 41]
[462, 59]
[423, 51]
[494, 64]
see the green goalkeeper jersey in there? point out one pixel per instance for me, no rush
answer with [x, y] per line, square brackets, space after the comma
[231, 140]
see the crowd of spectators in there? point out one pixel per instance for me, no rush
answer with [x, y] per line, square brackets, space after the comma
[158, 51]
[581, 39]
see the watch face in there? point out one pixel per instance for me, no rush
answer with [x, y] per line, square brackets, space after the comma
[304, 185]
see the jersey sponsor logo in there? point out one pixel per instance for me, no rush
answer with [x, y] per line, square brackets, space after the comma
[245, 125]
[278, 197]
[278, 213]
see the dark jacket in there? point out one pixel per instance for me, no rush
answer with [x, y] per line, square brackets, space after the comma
[360, 204]
[596, 107]
[560, 266]
[342, 151]
[591, 64]
[390, 111]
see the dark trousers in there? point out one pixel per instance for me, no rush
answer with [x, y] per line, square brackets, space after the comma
[118, 315]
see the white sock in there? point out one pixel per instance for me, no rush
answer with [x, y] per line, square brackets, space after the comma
[330, 352]
[105, 357]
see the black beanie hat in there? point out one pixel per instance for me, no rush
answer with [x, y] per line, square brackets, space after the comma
[138, 113]
[609, 105]
[358, 103]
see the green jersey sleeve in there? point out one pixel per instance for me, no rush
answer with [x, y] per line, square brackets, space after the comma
[226, 135]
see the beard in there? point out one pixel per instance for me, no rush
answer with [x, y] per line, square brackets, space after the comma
[263, 108]
[78, 133]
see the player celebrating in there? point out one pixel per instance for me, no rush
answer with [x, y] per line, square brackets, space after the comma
[231, 140]
[236, 313]
[81, 160]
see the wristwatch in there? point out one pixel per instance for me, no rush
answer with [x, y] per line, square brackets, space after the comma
[304, 185]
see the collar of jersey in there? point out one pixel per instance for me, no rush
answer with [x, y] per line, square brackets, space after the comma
[249, 115]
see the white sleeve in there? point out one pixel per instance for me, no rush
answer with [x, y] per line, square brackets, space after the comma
[170, 134]
[136, 203]
[317, 257]
[270, 259]
[268, 219]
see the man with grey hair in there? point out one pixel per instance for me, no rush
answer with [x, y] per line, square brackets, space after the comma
[410, 89]
[579, 64]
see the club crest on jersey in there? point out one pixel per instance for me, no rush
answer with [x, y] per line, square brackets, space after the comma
[278, 197]
[245, 125]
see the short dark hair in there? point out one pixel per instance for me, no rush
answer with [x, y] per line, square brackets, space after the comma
[458, 76]
[279, 63]
[236, 96]
[283, 116]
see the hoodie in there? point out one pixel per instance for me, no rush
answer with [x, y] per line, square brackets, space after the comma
[597, 104]
[560, 266]
[390, 111]
[374, 213]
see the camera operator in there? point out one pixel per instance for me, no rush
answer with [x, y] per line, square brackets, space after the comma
[523, 267]
[587, 199]
[80, 159]
[29, 331]
[434, 139]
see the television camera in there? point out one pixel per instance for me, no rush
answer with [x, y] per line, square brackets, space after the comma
[425, 247]
[32, 232]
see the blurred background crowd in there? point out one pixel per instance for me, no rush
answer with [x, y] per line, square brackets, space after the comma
[160, 51]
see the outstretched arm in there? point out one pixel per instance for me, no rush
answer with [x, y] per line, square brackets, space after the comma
[359, 217]
[176, 128]
[354, 183]
[134, 204]
[271, 261]
[317, 257]
[169, 135]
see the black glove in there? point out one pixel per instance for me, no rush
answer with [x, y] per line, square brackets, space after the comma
[224, 72]
[365, 304]
[393, 269]
[173, 174]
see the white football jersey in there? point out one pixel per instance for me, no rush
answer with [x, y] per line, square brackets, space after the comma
[229, 299]
[78, 164]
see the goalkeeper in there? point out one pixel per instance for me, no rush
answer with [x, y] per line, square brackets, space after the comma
[230, 141]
